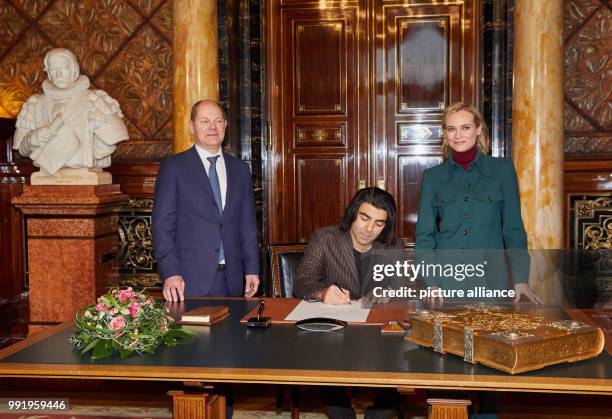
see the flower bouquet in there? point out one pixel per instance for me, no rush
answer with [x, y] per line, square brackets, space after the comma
[125, 321]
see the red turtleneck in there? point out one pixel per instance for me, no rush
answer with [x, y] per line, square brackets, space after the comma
[464, 158]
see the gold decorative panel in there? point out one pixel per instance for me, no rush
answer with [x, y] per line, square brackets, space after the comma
[137, 264]
[320, 134]
[123, 46]
[419, 134]
[592, 218]
[588, 77]
[590, 225]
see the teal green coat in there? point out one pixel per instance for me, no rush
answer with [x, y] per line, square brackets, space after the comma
[478, 208]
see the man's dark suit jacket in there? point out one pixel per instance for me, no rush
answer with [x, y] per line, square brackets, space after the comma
[188, 228]
[329, 258]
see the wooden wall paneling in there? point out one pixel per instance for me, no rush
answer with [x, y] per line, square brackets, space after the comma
[11, 244]
[426, 59]
[13, 175]
[317, 114]
[319, 203]
[409, 173]
[135, 179]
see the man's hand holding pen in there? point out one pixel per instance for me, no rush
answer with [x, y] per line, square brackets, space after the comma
[335, 295]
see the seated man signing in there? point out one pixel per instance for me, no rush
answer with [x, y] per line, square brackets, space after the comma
[337, 267]
[337, 262]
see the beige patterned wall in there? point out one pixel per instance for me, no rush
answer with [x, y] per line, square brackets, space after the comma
[588, 77]
[123, 46]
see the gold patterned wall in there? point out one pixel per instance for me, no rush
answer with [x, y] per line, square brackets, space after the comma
[588, 77]
[123, 46]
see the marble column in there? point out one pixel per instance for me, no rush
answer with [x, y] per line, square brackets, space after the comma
[537, 132]
[195, 63]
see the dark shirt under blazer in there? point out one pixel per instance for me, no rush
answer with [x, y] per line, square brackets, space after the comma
[188, 227]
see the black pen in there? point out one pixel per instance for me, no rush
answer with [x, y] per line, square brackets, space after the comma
[340, 288]
[260, 310]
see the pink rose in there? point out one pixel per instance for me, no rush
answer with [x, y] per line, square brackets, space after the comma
[124, 295]
[101, 307]
[117, 323]
[134, 309]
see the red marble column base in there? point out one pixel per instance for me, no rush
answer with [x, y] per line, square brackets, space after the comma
[72, 246]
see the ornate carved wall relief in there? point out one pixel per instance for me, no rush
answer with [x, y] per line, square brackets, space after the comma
[588, 78]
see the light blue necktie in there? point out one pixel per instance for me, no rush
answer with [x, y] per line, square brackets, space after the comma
[216, 188]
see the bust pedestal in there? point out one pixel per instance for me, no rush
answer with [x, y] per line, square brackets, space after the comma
[72, 246]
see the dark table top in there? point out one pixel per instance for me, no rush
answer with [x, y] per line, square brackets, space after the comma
[356, 355]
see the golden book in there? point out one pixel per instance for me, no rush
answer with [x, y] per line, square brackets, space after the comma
[205, 315]
[504, 339]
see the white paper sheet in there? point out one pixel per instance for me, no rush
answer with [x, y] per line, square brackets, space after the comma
[352, 313]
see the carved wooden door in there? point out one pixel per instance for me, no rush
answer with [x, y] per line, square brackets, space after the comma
[425, 60]
[355, 92]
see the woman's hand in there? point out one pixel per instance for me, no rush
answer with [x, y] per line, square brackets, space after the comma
[524, 289]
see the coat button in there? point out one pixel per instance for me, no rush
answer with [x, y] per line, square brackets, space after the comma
[491, 198]
[466, 215]
[465, 232]
[220, 226]
[466, 198]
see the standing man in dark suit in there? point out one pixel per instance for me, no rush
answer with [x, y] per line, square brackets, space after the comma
[204, 229]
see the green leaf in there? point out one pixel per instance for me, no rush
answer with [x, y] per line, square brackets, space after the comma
[182, 333]
[89, 346]
[169, 340]
[102, 349]
[125, 353]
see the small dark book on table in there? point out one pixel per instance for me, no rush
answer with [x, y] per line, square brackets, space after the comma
[206, 315]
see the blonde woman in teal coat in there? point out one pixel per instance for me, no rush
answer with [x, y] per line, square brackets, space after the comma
[470, 203]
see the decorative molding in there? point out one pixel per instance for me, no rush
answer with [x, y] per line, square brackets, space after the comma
[137, 265]
[590, 230]
[592, 145]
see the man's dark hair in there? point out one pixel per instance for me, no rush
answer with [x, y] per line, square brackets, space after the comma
[378, 198]
[194, 108]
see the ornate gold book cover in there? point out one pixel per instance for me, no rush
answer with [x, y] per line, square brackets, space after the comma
[505, 339]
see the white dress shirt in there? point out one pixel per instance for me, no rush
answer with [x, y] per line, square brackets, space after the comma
[221, 172]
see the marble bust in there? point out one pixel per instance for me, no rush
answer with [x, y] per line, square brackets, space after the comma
[70, 131]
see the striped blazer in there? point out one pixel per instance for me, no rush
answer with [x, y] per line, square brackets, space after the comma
[329, 258]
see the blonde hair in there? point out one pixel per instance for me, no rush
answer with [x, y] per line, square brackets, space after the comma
[483, 143]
